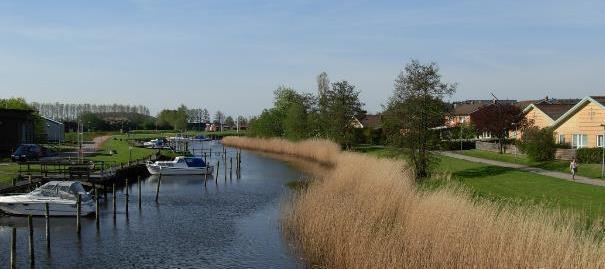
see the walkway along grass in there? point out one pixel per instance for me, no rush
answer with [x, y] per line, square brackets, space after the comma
[366, 212]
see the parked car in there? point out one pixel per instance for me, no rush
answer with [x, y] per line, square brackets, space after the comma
[27, 152]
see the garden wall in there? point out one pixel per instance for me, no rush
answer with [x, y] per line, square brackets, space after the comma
[494, 147]
[560, 154]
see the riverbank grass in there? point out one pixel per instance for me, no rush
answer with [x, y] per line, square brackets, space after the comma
[514, 187]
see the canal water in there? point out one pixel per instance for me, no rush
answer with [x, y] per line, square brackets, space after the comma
[232, 223]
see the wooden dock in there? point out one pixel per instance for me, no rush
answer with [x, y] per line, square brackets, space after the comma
[91, 174]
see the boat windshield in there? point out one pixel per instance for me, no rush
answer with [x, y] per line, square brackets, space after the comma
[195, 162]
[62, 189]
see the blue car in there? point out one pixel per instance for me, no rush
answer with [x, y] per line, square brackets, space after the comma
[27, 152]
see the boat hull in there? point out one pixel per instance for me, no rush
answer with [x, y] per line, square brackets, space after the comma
[38, 209]
[163, 170]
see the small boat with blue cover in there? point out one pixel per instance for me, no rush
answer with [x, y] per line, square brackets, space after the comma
[180, 166]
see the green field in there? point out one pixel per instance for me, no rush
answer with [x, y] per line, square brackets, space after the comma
[123, 151]
[7, 172]
[511, 186]
[587, 170]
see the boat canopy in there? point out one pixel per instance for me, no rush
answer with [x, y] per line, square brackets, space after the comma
[195, 162]
[63, 189]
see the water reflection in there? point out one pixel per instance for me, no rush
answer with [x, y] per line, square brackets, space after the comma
[222, 223]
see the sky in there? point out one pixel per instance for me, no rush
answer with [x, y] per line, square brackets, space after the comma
[230, 55]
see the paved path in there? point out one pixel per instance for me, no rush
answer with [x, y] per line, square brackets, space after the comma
[535, 170]
[99, 140]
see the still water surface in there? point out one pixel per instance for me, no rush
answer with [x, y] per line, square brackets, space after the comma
[231, 223]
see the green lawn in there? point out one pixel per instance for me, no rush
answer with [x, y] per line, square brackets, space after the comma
[511, 186]
[588, 170]
[7, 172]
[120, 145]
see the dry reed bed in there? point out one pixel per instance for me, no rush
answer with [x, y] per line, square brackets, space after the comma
[366, 213]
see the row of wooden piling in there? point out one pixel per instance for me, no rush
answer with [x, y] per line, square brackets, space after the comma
[13, 241]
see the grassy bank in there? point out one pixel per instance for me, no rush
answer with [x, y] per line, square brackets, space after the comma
[366, 212]
[120, 145]
[587, 170]
[514, 187]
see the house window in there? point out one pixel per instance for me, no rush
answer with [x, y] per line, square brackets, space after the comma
[579, 141]
[600, 142]
[561, 139]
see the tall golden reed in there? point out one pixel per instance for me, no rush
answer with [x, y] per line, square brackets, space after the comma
[366, 213]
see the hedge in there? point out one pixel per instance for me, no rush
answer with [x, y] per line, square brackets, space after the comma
[589, 155]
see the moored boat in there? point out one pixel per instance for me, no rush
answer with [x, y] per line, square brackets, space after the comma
[180, 166]
[61, 197]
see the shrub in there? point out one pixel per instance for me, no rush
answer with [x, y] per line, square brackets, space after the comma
[589, 155]
[368, 136]
[538, 144]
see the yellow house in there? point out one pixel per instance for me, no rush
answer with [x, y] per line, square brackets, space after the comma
[543, 114]
[583, 125]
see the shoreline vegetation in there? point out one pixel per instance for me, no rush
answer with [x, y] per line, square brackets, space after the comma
[367, 212]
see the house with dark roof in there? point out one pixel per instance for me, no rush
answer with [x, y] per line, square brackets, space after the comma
[583, 125]
[544, 114]
[461, 114]
[367, 121]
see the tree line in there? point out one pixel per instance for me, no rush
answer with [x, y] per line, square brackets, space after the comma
[71, 112]
[413, 119]
[298, 115]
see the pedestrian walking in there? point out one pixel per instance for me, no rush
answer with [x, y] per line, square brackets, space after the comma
[573, 166]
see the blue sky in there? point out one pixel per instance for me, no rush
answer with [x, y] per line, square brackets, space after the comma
[231, 55]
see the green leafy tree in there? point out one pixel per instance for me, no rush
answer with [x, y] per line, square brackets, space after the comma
[295, 123]
[538, 144]
[15, 103]
[413, 112]
[341, 105]
[321, 121]
[180, 119]
[92, 121]
[266, 125]
[229, 122]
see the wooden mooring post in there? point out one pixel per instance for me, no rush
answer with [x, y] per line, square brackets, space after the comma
[78, 210]
[47, 216]
[97, 207]
[30, 227]
[113, 196]
[231, 168]
[218, 166]
[13, 250]
[139, 186]
[127, 197]
[157, 190]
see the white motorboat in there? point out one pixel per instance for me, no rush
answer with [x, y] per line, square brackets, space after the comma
[200, 138]
[155, 144]
[180, 166]
[178, 137]
[60, 196]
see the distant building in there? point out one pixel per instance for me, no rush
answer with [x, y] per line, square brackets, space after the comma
[367, 121]
[16, 127]
[54, 130]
